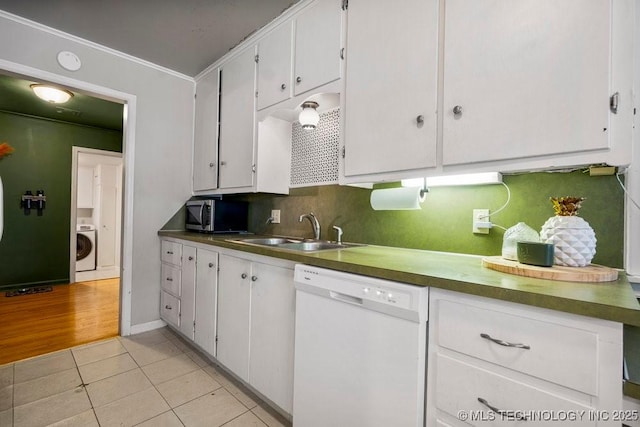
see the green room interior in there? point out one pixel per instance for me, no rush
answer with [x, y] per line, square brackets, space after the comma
[34, 249]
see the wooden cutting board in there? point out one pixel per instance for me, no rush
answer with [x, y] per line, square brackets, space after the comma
[590, 273]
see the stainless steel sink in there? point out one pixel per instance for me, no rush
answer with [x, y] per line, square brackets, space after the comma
[295, 244]
[316, 246]
[268, 241]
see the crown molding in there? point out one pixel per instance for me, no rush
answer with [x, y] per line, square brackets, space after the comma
[93, 45]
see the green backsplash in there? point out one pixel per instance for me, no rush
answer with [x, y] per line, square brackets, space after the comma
[35, 249]
[444, 223]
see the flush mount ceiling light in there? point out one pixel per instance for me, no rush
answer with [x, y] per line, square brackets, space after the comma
[51, 94]
[309, 117]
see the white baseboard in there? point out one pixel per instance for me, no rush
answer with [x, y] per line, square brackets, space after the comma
[99, 274]
[149, 326]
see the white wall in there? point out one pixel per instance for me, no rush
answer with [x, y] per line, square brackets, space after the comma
[163, 134]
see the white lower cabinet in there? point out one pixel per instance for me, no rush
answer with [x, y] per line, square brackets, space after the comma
[497, 363]
[189, 291]
[255, 325]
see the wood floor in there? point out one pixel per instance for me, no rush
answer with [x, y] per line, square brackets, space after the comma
[31, 325]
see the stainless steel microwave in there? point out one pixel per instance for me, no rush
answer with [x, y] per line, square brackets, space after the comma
[217, 216]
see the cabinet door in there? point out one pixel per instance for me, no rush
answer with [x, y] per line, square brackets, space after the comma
[205, 148]
[237, 105]
[531, 78]
[206, 303]
[85, 187]
[274, 66]
[170, 309]
[318, 44]
[391, 86]
[233, 315]
[188, 292]
[272, 333]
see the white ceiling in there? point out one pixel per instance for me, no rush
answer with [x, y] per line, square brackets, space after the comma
[182, 35]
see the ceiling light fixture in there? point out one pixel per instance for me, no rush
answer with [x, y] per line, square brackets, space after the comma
[51, 94]
[309, 117]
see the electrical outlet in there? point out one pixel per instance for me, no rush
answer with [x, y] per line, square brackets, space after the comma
[275, 216]
[481, 217]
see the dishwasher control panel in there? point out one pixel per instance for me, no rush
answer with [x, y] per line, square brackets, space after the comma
[364, 290]
[391, 296]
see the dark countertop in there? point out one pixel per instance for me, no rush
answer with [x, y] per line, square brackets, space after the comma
[613, 301]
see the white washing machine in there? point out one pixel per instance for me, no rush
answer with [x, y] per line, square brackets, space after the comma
[86, 247]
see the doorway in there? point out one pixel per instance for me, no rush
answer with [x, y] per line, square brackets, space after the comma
[129, 103]
[96, 214]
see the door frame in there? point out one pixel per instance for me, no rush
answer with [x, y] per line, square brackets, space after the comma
[76, 151]
[128, 149]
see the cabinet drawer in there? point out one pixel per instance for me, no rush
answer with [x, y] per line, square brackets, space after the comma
[170, 309]
[171, 279]
[558, 353]
[171, 252]
[460, 385]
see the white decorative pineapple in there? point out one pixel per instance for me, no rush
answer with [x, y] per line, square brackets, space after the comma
[572, 236]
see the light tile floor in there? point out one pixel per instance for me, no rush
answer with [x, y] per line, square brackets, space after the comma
[153, 379]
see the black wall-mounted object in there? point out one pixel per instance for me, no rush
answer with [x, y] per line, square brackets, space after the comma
[29, 201]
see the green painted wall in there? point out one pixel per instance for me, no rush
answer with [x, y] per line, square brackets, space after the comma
[35, 249]
[444, 223]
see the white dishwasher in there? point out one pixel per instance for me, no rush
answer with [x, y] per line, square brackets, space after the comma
[360, 351]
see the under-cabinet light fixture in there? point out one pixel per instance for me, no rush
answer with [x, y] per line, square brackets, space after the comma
[51, 94]
[465, 179]
[309, 116]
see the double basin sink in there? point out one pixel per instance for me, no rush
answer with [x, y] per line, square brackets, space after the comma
[302, 245]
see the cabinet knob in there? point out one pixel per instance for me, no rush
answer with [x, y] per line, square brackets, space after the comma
[211, 164]
[420, 120]
[298, 79]
[190, 258]
[222, 163]
[211, 265]
[283, 86]
[169, 279]
[254, 278]
[170, 252]
[168, 307]
[457, 110]
[244, 276]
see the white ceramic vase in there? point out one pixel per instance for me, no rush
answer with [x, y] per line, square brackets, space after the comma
[573, 238]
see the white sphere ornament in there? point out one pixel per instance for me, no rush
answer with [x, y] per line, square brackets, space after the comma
[573, 238]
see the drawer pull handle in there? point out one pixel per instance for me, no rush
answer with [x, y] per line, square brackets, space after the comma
[170, 252]
[168, 307]
[509, 415]
[190, 258]
[211, 265]
[169, 279]
[504, 343]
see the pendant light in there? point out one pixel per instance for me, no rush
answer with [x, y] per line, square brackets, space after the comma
[309, 117]
[51, 94]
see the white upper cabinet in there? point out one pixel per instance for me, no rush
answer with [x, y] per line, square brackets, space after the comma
[391, 86]
[301, 54]
[274, 66]
[525, 78]
[85, 187]
[205, 149]
[519, 84]
[237, 128]
[317, 45]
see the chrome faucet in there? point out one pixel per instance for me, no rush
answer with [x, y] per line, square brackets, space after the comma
[338, 233]
[314, 223]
